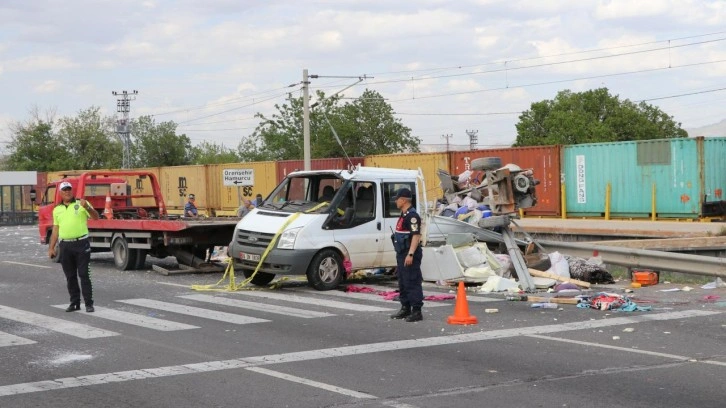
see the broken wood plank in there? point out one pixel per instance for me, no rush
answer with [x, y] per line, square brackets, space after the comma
[567, 301]
[541, 274]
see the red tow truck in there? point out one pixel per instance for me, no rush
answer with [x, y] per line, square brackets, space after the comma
[139, 225]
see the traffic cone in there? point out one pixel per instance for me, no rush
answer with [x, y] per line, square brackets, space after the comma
[108, 211]
[461, 309]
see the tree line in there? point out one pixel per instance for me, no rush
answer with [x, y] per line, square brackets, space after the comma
[365, 126]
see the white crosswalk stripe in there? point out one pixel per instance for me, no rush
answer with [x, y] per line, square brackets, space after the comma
[193, 311]
[290, 297]
[263, 307]
[136, 319]
[51, 323]
[7, 339]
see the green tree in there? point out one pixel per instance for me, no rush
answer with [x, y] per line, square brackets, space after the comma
[365, 126]
[212, 153]
[593, 116]
[158, 144]
[34, 147]
[89, 141]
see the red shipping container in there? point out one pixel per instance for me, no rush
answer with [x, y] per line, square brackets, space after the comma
[544, 160]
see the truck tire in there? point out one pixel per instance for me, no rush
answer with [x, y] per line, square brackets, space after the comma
[494, 221]
[486, 163]
[260, 279]
[140, 258]
[123, 257]
[326, 270]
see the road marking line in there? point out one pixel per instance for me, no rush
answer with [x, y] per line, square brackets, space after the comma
[714, 362]
[289, 297]
[607, 346]
[27, 264]
[51, 323]
[262, 307]
[316, 384]
[137, 319]
[194, 311]
[346, 351]
[7, 339]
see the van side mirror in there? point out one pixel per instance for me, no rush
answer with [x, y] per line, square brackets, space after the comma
[33, 195]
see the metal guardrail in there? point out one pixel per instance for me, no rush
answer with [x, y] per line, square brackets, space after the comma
[18, 218]
[643, 258]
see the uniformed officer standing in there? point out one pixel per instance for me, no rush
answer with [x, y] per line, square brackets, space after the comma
[406, 240]
[70, 225]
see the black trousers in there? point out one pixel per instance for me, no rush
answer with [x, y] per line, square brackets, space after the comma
[75, 257]
[410, 280]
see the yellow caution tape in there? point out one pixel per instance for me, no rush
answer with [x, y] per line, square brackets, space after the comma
[229, 271]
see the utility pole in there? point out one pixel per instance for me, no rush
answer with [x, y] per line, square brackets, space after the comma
[123, 106]
[306, 121]
[473, 139]
[447, 137]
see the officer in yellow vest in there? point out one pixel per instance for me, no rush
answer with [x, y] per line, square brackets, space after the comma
[70, 225]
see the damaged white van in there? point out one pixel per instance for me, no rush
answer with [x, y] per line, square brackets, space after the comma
[316, 222]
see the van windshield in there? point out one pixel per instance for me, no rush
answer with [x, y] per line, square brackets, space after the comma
[310, 193]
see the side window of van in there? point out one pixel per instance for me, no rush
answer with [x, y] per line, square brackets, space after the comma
[357, 205]
[389, 191]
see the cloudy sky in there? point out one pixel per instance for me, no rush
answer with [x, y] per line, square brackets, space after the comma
[445, 66]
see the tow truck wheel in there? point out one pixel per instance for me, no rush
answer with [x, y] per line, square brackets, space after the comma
[123, 257]
[326, 270]
[140, 258]
[56, 258]
[261, 278]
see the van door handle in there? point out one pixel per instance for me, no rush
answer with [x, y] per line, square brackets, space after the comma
[379, 225]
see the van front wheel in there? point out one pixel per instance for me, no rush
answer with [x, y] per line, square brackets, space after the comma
[326, 270]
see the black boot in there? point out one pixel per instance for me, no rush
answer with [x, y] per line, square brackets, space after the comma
[73, 307]
[90, 308]
[415, 316]
[403, 313]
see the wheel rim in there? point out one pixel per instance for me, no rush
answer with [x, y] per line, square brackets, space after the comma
[328, 269]
[118, 253]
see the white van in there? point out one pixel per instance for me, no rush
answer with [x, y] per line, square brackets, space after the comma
[324, 218]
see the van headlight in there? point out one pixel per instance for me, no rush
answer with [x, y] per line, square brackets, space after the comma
[287, 238]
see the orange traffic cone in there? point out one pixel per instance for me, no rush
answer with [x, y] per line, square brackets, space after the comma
[108, 211]
[461, 310]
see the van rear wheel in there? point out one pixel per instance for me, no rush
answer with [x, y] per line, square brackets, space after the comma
[326, 270]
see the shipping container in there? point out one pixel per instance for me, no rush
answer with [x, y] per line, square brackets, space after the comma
[234, 182]
[665, 174]
[543, 160]
[429, 163]
[714, 169]
[178, 182]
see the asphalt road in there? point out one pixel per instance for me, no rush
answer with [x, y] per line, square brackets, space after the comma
[154, 342]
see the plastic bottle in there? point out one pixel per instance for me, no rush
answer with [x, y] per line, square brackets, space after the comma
[516, 297]
[547, 305]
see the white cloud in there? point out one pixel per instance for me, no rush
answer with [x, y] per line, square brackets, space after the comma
[40, 63]
[613, 9]
[47, 86]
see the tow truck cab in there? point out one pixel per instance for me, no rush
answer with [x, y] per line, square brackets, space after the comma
[314, 221]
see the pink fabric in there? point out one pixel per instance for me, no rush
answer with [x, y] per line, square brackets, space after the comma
[392, 295]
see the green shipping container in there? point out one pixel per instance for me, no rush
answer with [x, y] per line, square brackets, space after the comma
[674, 166]
[714, 169]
